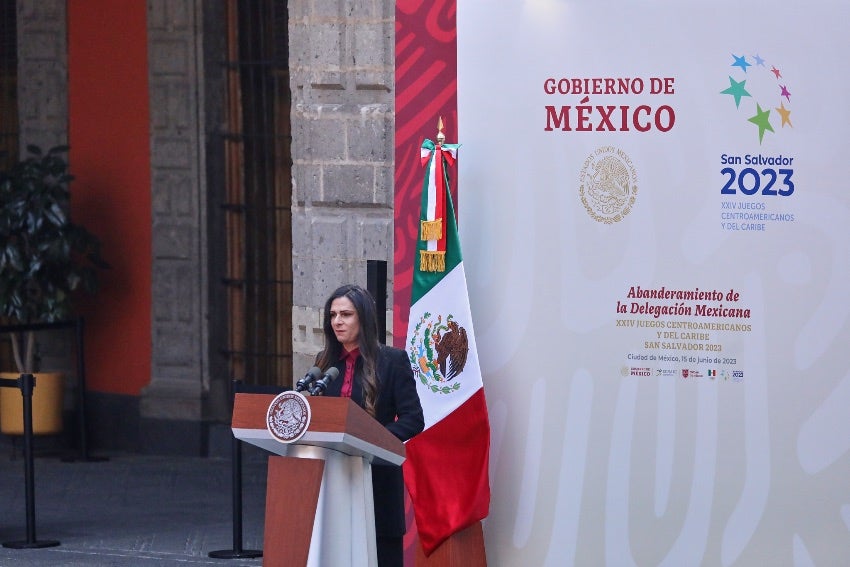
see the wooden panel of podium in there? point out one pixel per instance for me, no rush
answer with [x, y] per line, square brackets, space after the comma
[319, 508]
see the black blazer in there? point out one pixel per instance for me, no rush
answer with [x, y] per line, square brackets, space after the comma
[396, 397]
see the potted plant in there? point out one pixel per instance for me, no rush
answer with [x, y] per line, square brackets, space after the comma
[44, 259]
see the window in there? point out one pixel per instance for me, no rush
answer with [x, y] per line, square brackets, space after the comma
[257, 207]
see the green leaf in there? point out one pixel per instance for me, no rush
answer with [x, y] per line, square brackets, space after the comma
[44, 257]
[55, 214]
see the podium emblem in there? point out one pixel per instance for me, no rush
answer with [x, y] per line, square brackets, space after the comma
[288, 416]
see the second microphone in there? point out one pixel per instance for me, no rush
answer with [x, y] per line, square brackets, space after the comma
[319, 387]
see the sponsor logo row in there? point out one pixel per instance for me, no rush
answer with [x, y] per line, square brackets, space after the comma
[686, 373]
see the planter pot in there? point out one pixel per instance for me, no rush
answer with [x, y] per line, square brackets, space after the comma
[47, 405]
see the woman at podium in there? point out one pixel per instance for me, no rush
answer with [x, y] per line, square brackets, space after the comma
[379, 379]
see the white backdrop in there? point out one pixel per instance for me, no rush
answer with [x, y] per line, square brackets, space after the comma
[686, 429]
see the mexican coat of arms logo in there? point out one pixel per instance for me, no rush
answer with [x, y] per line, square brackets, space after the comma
[288, 416]
[438, 349]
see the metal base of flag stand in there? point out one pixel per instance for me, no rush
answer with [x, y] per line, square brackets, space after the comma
[26, 383]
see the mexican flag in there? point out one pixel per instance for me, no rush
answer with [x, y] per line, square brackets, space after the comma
[446, 470]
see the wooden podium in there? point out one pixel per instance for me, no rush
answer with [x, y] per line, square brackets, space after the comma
[319, 507]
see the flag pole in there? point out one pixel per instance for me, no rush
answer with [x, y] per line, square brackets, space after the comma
[438, 252]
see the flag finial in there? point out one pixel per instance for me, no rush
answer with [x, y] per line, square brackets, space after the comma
[440, 136]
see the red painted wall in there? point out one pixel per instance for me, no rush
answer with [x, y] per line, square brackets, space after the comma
[426, 89]
[111, 195]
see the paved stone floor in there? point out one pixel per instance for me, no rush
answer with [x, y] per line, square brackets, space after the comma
[127, 510]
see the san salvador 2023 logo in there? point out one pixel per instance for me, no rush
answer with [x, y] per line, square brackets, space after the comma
[760, 97]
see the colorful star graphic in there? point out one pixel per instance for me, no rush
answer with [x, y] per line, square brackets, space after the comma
[785, 113]
[737, 90]
[755, 97]
[741, 62]
[762, 120]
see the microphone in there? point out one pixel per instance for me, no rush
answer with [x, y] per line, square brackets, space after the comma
[311, 376]
[322, 384]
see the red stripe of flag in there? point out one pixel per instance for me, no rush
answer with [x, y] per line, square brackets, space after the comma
[453, 455]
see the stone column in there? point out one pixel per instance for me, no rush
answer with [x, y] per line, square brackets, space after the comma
[42, 73]
[171, 406]
[43, 121]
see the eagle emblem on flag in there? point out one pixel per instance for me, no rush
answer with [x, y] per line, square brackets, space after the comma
[438, 349]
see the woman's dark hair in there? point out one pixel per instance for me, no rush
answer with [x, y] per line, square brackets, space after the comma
[367, 341]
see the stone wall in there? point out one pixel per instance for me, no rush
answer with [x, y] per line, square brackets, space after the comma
[341, 65]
